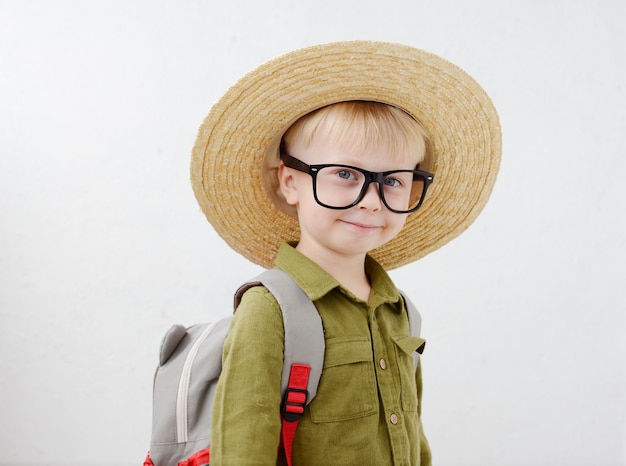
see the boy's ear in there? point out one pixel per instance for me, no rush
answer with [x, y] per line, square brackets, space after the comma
[287, 183]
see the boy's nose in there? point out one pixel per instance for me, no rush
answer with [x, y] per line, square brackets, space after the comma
[371, 200]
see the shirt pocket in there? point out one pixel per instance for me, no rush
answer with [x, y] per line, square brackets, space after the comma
[405, 348]
[347, 388]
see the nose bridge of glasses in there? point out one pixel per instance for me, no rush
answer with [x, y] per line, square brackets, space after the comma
[372, 182]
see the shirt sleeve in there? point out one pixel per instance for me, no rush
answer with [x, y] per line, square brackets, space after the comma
[246, 414]
[425, 453]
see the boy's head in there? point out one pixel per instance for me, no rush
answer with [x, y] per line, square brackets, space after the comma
[350, 172]
[415, 111]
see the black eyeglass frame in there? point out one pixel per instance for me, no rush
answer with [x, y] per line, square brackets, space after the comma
[370, 177]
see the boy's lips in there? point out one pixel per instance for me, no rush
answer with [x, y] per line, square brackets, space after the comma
[360, 225]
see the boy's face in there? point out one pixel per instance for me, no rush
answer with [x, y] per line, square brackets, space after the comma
[349, 233]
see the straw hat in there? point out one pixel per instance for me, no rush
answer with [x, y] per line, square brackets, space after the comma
[236, 152]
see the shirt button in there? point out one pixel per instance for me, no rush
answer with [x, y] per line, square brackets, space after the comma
[394, 419]
[382, 363]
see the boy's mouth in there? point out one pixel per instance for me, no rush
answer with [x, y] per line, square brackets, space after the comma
[361, 226]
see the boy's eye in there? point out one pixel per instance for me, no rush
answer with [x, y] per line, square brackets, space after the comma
[393, 182]
[346, 174]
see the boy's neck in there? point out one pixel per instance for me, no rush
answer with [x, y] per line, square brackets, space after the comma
[349, 271]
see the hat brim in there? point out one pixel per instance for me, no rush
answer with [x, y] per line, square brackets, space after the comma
[242, 131]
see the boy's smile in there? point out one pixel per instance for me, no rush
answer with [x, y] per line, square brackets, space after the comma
[361, 226]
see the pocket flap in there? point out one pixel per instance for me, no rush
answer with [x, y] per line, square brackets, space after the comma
[341, 351]
[409, 344]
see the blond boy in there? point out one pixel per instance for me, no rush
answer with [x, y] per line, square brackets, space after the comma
[345, 140]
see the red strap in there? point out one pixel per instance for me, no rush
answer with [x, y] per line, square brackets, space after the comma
[294, 404]
[199, 458]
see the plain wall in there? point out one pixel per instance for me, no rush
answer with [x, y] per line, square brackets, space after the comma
[103, 246]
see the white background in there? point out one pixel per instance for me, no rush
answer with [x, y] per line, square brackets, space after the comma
[102, 244]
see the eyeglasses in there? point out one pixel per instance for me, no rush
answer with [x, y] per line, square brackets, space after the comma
[344, 186]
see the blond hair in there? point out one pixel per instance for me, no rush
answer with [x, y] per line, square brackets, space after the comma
[359, 125]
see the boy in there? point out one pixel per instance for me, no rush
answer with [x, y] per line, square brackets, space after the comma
[342, 137]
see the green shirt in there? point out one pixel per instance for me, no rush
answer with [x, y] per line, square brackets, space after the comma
[367, 408]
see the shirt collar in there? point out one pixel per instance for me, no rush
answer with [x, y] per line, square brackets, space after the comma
[316, 282]
[383, 288]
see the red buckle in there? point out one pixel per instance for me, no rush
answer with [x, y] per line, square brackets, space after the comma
[294, 401]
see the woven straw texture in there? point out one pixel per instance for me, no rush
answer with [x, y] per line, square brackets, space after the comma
[241, 133]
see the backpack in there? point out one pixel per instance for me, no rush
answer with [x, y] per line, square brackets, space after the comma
[190, 362]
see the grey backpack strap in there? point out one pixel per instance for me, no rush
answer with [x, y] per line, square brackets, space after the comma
[415, 324]
[304, 333]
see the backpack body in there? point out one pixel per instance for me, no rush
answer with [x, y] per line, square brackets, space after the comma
[184, 389]
[190, 363]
